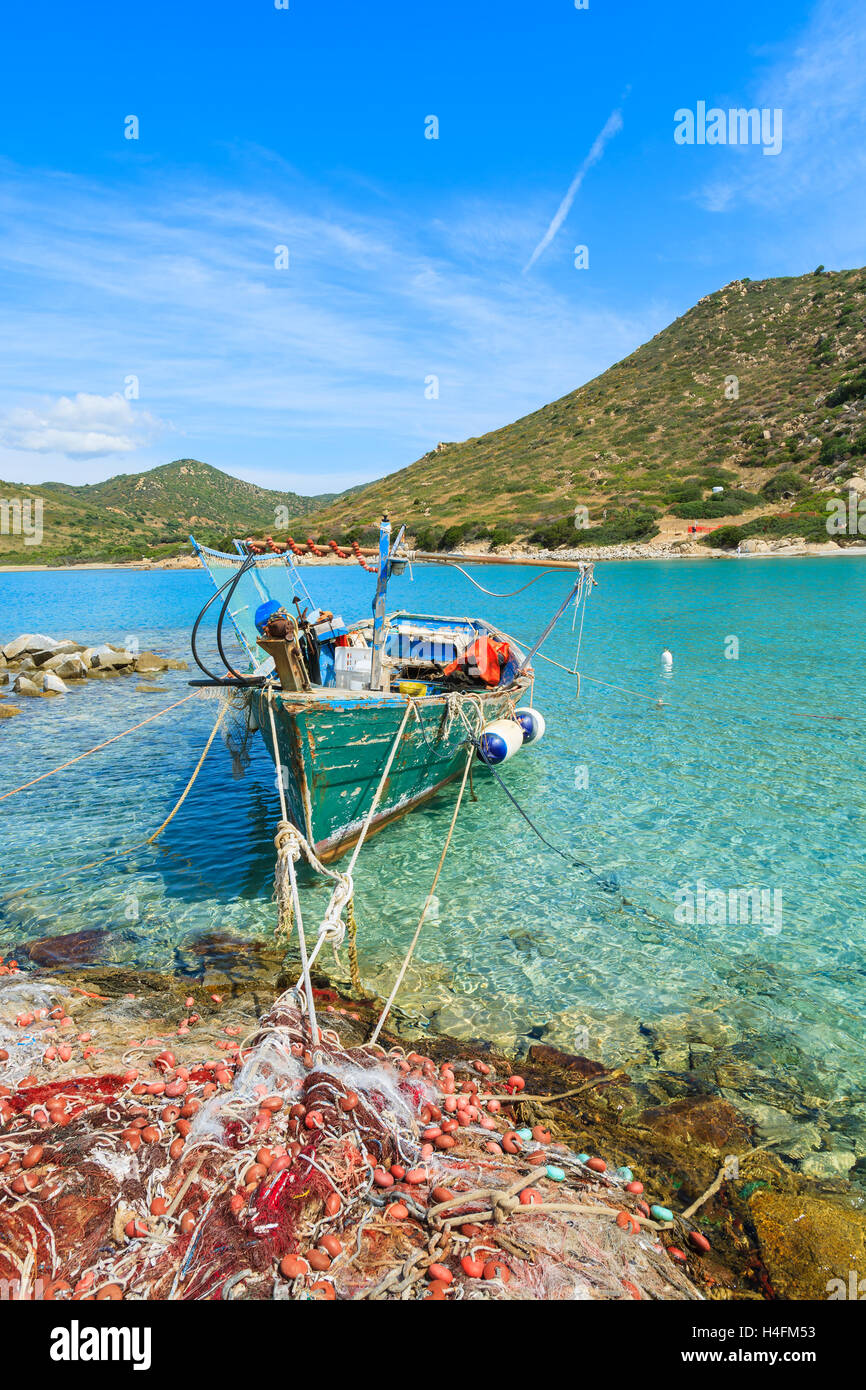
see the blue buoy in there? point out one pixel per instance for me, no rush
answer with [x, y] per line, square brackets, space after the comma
[265, 611]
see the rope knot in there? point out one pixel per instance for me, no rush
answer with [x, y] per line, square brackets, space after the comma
[332, 928]
[287, 841]
[503, 1207]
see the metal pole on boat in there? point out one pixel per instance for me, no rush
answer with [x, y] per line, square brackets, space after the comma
[550, 626]
[379, 603]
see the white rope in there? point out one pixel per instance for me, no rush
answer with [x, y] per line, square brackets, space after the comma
[382, 780]
[405, 966]
[288, 851]
[332, 927]
[582, 601]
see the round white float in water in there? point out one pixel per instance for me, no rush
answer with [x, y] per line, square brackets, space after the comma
[667, 659]
[531, 722]
[500, 740]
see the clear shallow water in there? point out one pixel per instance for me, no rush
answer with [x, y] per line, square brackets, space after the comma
[748, 776]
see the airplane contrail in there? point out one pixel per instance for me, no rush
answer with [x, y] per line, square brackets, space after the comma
[608, 130]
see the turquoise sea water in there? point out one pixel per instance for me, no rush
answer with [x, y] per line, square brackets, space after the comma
[747, 776]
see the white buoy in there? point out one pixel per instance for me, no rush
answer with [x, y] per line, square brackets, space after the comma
[500, 740]
[667, 659]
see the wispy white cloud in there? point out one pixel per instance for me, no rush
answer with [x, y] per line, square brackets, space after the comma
[819, 85]
[85, 426]
[612, 125]
[314, 375]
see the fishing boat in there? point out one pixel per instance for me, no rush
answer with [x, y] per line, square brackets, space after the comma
[338, 704]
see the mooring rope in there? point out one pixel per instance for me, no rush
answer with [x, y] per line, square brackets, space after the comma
[96, 747]
[139, 844]
[352, 936]
[332, 927]
[569, 858]
[414, 942]
[288, 847]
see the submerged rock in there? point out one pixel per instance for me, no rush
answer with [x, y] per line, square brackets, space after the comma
[75, 948]
[809, 1245]
[702, 1120]
[791, 1138]
[544, 1055]
[8, 711]
[829, 1164]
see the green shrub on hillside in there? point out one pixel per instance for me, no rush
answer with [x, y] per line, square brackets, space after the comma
[812, 526]
[779, 484]
[851, 390]
[727, 505]
[629, 524]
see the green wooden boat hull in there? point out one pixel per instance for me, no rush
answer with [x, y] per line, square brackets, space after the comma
[333, 749]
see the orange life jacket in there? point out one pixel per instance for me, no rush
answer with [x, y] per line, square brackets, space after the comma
[485, 658]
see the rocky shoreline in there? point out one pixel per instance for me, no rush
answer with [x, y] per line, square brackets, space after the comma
[39, 667]
[781, 548]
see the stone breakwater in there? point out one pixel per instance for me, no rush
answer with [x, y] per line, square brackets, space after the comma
[38, 667]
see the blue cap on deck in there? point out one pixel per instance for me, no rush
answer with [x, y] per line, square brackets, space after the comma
[265, 611]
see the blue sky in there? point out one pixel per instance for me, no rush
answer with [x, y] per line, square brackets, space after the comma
[409, 258]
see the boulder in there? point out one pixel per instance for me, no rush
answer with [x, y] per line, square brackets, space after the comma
[107, 658]
[29, 642]
[56, 649]
[148, 661]
[4, 677]
[71, 667]
[8, 711]
[52, 684]
[25, 686]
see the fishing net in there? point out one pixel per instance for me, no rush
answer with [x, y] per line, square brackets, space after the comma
[284, 1170]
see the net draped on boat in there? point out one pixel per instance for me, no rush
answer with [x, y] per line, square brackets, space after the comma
[274, 577]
